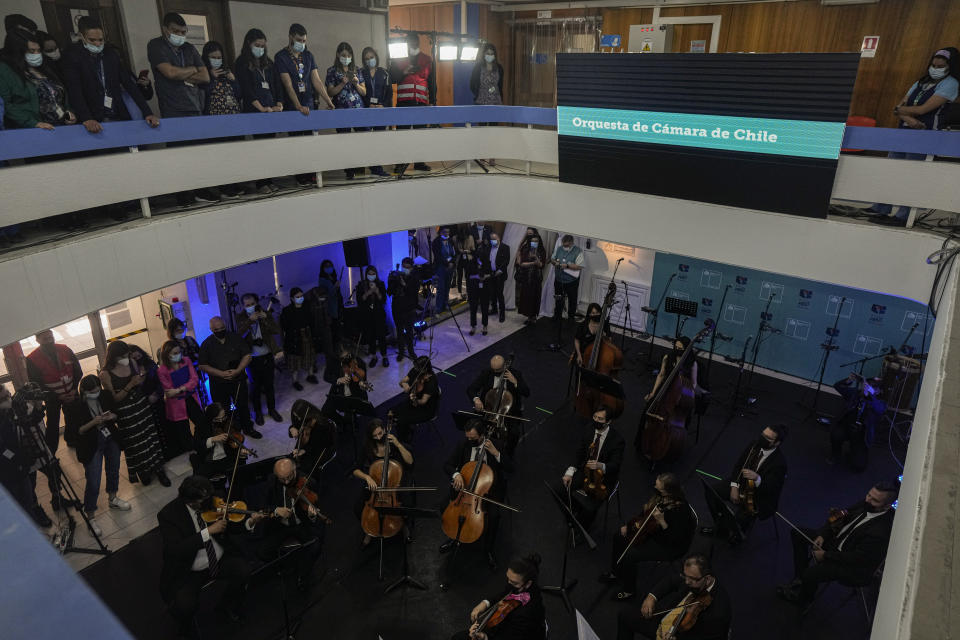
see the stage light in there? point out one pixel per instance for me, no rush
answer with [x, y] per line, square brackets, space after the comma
[398, 49]
[448, 52]
[468, 53]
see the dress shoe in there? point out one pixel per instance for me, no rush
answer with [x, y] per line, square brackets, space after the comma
[400, 357]
[502, 318]
[146, 479]
[298, 386]
[312, 379]
[473, 331]
[258, 419]
[253, 433]
[386, 362]
[275, 415]
[484, 332]
[162, 478]
[447, 546]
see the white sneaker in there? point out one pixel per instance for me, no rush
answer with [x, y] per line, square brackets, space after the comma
[119, 504]
[97, 531]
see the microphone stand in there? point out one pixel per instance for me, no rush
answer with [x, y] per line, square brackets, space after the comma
[827, 347]
[653, 311]
[756, 344]
[713, 337]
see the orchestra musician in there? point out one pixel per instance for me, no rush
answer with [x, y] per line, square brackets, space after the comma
[688, 370]
[587, 331]
[521, 614]
[498, 461]
[862, 415]
[601, 448]
[195, 552]
[423, 393]
[488, 380]
[373, 447]
[695, 582]
[662, 532]
[214, 452]
[350, 383]
[850, 548]
[317, 439]
[292, 519]
[762, 464]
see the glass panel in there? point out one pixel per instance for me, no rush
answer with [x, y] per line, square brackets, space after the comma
[75, 334]
[123, 319]
[90, 365]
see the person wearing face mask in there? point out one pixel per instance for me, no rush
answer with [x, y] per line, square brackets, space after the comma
[525, 622]
[213, 455]
[55, 368]
[848, 549]
[489, 380]
[346, 84]
[32, 93]
[261, 333]
[260, 90]
[600, 447]
[568, 260]
[499, 258]
[178, 378]
[178, 69]
[445, 252]
[402, 286]
[137, 429]
[373, 447]
[15, 462]
[528, 275]
[588, 330]
[326, 305]
[98, 449]
[466, 246]
[486, 81]
[479, 275]
[51, 51]
[190, 348]
[416, 82]
[379, 91]
[298, 339]
[762, 463]
[224, 356]
[695, 578]
[863, 414]
[300, 76]
[500, 463]
[222, 93]
[688, 375]
[667, 525]
[372, 303]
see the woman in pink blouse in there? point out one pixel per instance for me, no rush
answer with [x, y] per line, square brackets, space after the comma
[179, 381]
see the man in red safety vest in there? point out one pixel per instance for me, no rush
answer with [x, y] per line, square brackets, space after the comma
[416, 82]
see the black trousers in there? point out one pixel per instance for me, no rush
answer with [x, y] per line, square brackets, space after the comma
[584, 507]
[276, 534]
[232, 570]
[630, 622]
[721, 517]
[177, 438]
[235, 391]
[478, 297]
[375, 331]
[813, 574]
[846, 430]
[403, 321]
[261, 376]
[627, 570]
[496, 284]
[568, 292]
[406, 416]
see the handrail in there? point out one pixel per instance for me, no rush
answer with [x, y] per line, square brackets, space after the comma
[30, 143]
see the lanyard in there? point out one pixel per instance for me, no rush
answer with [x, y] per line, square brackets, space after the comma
[103, 76]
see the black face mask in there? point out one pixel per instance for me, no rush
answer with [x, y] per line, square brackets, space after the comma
[473, 443]
[872, 509]
[599, 426]
[220, 334]
[765, 444]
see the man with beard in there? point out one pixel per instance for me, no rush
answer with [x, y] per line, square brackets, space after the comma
[524, 620]
[849, 549]
[695, 580]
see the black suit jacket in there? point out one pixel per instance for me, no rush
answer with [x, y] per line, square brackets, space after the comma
[181, 542]
[611, 455]
[501, 261]
[484, 382]
[865, 547]
[713, 623]
[523, 623]
[773, 473]
[479, 238]
[81, 74]
[461, 455]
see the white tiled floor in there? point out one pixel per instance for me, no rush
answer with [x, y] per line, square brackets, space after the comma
[121, 527]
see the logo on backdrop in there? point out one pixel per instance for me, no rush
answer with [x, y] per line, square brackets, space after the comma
[706, 305]
[711, 279]
[682, 271]
[803, 302]
[741, 286]
[797, 329]
[877, 313]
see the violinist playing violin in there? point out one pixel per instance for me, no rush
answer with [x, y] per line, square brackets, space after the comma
[518, 613]
[352, 383]
[489, 380]
[663, 532]
[373, 446]
[600, 449]
[215, 450]
[423, 392]
[753, 487]
[293, 517]
[691, 604]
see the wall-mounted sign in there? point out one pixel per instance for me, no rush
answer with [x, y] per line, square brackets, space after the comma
[869, 47]
[698, 46]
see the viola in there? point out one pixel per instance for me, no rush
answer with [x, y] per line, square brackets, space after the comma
[235, 437]
[836, 518]
[495, 615]
[302, 497]
[748, 488]
[605, 358]
[389, 474]
[236, 511]
[683, 617]
[423, 372]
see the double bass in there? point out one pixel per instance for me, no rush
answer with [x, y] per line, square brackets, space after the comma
[389, 473]
[665, 431]
[605, 358]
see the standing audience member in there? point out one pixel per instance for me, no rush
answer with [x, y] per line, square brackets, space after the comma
[139, 437]
[222, 93]
[296, 323]
[444, 259]
[486, 81]
[96, 80]
[326, 302]
[261, 332]
[55, 368]
[182, 405]
[528, 275]
[416, 82]
[478, 289]
[403, 288]
[31, 96]
[44, 75]
[153, 391]
[568, 260]
[224, 356]
[379, 91]
[98, 449]
[260, 90]
[51, 51]
[372, 303]
[346, 84]
[190, 348]
[465, 246]
[15, 473]
[499, 260]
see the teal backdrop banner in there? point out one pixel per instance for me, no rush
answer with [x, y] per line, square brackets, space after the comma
[802, 313]
[799, 138]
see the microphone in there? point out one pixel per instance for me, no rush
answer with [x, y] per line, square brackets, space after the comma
[648, 310]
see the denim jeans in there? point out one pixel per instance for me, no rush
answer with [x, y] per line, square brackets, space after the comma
[902, 211]
[107, 450]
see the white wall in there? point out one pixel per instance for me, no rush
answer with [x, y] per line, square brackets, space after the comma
[142, 23]
[29, 8]
[325, 28]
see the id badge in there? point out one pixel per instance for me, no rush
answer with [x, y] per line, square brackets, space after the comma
[105, 432]
[491, 89]
[264, 85]
[301, 88]
[107, 101]
[374, 101]
[60, 113]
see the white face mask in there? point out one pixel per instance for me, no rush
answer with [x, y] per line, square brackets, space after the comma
[257, 51]
[93, 395]
[414, 52]
[299, 47]
[250, 309]
[176, 39]
[937, 74]
[489, 57]
[175, 357]
[34, 59]
[53, 55]
[123, 362]
[345, 60]
[216, 63]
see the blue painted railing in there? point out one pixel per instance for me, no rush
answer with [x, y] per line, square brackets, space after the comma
[29, 143]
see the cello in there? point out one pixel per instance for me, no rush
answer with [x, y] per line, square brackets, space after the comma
[601, 357]
[388, 473]
[499, 400]
[665, 431]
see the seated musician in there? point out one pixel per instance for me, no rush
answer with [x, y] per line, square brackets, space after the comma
[500, 464]
[195, 552]
[318, 437]
[666, 528]
[423, 393]
[215, 453]
[293, 518]
[688, 370]
[524, 621]
[863, 413]
[345, 386]
[587, 331]
[849, 549]
[694, 582]
[600, 448]
[764, 464]
[487, 380]
[373, 447]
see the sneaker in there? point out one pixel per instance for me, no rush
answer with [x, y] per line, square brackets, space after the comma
[119, 504]
[298, 386]
[94, 527]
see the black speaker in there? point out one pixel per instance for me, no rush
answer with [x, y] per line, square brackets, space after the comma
[356, 252]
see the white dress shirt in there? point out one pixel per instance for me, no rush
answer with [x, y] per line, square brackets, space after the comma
[764, 454]
[856, 525]
[603, 438]
[201, 562]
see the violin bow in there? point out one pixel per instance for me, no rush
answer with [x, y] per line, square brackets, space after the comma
[642, 525]
[797, 529]
[236, 460]
[296, 445]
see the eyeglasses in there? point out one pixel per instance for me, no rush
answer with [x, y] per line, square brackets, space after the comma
[687, 578]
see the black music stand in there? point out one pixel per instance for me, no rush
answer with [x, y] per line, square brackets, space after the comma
[352, 407]
[281, 564]
[572, 523]
[681, 307]
[722, 515]
[655, 311]
[406, 512]
[828, 347]
[602, 382]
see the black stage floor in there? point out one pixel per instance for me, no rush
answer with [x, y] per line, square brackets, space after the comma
[349, 601]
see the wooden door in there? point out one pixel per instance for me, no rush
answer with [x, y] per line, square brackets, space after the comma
[61, 18]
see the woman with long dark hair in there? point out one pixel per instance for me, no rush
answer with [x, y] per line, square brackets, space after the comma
[32, 93]
[222, 93]
[486, 81]
[379, 90]
[373, 449]
[260, 90]
[346, 85]
[528, 275]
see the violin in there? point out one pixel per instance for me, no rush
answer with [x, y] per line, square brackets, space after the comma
[235, 437]
[748, 488]
[836, 518]
[593, 484]
[495, 615]
[303, 497]
[389, 473]
[424, 370]
[236, 511]
[605, 358]
[683, 617]
[357, 374]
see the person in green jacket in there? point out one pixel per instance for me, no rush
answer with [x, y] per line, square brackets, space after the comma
[23, 77]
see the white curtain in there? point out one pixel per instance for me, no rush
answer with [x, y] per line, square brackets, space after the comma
[513, 235]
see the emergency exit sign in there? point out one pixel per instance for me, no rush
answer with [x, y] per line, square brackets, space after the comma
[869, 47]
